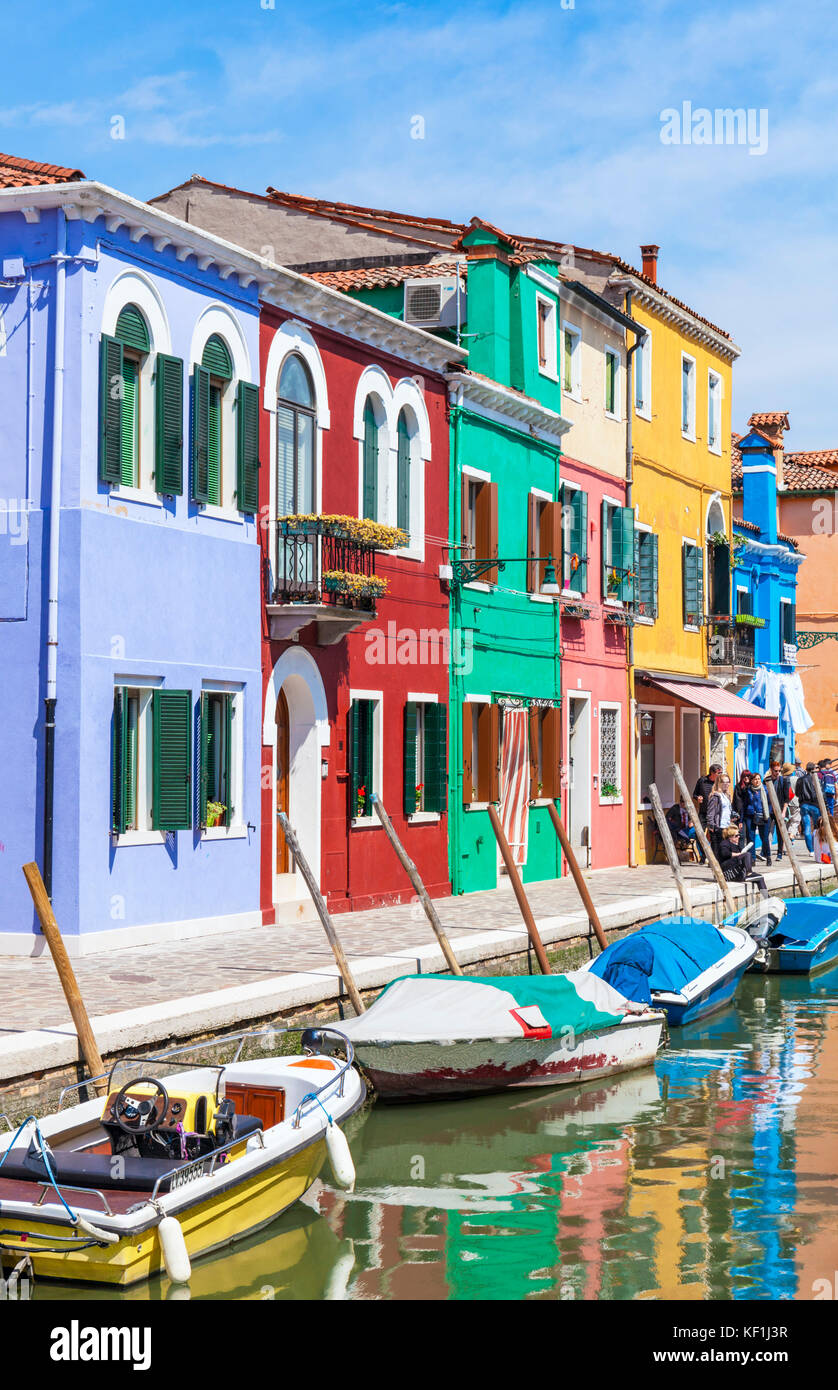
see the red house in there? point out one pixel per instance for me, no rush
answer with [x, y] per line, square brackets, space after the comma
[354, 506]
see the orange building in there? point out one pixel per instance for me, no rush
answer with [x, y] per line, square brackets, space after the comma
[807, 499]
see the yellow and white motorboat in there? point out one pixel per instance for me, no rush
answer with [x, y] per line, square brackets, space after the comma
[166, 1172]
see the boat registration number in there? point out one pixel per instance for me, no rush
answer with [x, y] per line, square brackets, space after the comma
[181, 1178]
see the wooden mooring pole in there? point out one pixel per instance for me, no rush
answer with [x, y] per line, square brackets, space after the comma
[422, 892]
[782, 831]
[671, 851]
[827, 825]
[518, 888]
[701, 836]
[584, 891]
[66, 973]
[322, 911]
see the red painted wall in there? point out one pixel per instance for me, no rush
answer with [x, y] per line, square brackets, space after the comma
[594, 659]
[358, 866]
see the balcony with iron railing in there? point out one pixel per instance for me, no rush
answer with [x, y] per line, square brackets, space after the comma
[731, 643]
[323, 570]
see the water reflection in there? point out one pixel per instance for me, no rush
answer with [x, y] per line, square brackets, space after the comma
[711, 1176]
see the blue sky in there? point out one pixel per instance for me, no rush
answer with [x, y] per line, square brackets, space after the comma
[540, 118]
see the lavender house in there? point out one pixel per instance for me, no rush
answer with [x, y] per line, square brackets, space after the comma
[129, 571]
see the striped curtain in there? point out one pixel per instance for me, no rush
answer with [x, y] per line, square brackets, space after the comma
[515, 781]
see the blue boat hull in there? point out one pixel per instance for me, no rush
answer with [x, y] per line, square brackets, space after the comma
[715, 997]
[803, 960]
[808, 950]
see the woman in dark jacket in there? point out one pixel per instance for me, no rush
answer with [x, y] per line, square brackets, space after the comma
[758, 818]
[739, 800]
[735, 863]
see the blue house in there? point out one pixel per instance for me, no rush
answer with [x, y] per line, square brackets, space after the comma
[763, 607]
[130, 702]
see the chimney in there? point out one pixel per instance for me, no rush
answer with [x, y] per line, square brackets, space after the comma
[773, 424]
[650, 262]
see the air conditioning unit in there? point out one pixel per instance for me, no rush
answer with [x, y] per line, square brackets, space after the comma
[434, 303]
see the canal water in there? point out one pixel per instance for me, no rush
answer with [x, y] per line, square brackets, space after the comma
[711, 1176]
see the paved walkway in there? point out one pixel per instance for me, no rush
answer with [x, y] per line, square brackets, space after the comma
[117, 981]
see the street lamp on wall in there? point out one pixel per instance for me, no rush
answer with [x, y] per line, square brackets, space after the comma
[468, 571]
[646, 724]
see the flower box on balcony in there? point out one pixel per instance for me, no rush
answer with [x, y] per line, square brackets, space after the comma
[749, 620]
[354, 585]
[371, 535]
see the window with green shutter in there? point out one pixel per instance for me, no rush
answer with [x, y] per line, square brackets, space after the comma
[425, 757]
[168, 438]
[574, 502]
[128, 744]
[370, 473]
[132, 329]
[214, 442]
[617, 552]
[362, 717]
[610, 382]
[403, 475]
[216, 358]
[200, 434]
[247, 447]
[693, 584]
[646, 569]
[216, 771]
[130, 424]
[110, 409]
[171, 760]
[118, 817]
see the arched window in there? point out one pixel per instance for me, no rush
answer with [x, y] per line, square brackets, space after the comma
[369, 499]
[295, 421]
[403, 472]
[122, 359]
[218, 364]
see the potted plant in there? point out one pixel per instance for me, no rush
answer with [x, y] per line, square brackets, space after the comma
[215, 813]
[360, 802]
[610, 789]
[419, 790]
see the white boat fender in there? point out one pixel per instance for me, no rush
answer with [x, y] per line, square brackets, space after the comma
[105, 1237]
[175, 1253]
[340, 1158]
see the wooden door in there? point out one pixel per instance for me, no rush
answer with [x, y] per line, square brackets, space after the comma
[283, 865]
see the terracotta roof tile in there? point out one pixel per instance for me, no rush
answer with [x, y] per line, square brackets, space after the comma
[788, 539]
[801, 476]
[26, 173]
[770, 417]
[748, 525]
[376, 277]
[819, 458]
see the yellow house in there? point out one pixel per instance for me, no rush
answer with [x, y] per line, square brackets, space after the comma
[680, 488]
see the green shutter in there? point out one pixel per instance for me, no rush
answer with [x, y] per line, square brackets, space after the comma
[130, 740]
[646, 568]
[110, 409]
[624, 538]
[403, 479]
[203, 778]
[436, 757]
[132, 330]
[129, 450]
[410, 778]
[216, 358]
[610, 382]
[654, 585]
[214, 447]
[200, 434]
[370, 498]
[693, 585]
[353, 739]
[247, 447]
[171, 747]
[168, 420]
[360, 752]
[603, 534]
[579, 539]
[118, 763]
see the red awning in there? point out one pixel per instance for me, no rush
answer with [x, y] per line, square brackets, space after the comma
[733, 715]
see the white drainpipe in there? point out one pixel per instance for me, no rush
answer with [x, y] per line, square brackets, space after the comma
[54, 534]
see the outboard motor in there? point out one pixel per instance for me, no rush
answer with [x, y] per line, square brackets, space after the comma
[760, 921]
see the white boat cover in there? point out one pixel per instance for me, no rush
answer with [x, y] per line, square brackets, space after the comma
[442, 1008]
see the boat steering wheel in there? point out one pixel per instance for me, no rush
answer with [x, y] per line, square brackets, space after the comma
[146, 1117]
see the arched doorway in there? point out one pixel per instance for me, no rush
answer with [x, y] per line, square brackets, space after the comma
[283, 779]
[297, 727]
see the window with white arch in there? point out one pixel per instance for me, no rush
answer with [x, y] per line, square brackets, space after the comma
[141, 409]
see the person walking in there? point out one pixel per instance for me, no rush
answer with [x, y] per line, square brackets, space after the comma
[759, 820]
[740, 801]
[719, 810]
[808, 798]
[828, 783]
[702, 791]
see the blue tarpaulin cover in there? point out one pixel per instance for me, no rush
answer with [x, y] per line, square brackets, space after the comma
[665, 955]
[803, 919]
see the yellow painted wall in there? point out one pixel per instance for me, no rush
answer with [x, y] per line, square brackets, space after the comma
[674, 481]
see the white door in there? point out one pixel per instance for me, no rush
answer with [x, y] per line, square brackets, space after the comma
[579, 770]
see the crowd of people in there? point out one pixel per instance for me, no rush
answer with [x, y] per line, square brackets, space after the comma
[740, 822]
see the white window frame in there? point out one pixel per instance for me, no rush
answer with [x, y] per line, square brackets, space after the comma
[422, 698]
[616, 706]
[714, 378]
[575, 392]
[237, 829]
[371, 822]
[616, 413]
[550, 369]
[643, 378]
[689, 433]
[144, 834]
[477, 475]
